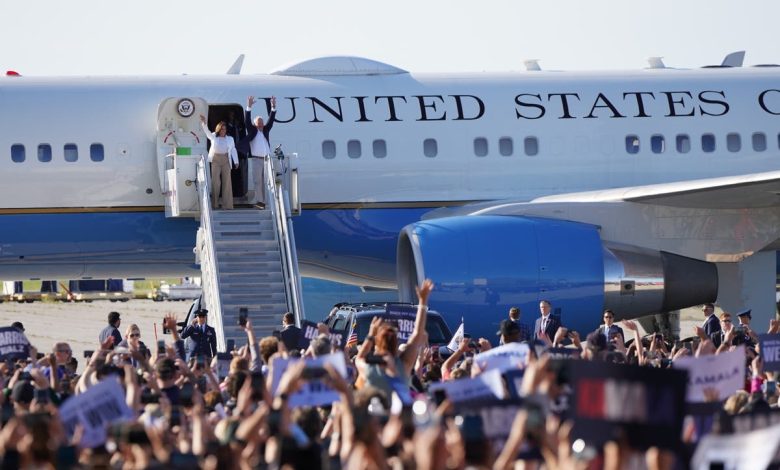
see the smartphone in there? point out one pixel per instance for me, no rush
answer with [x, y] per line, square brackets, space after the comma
[231, 345]
[88, 353]
[39, 355]
[185, 394]
[164, 328]
[439, 396]
[41, 395]
[200, 362]
[275, 421]
[374, 359]
[769, 387]
[243, 313]
[258, 385]
[175, 416]
[311, 373]
[161, 345]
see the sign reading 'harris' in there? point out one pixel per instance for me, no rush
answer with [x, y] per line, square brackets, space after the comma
[521, 106]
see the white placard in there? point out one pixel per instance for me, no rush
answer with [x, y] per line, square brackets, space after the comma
[485, 385]
[506, 357]
[312, 392]
[724, 372]
[101, 405]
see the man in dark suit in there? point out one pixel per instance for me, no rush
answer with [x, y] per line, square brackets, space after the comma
[711, 324]
[725, 327]
[609, 330]
[257, 145]
[203, 338]
[290, 334]
[546, 324]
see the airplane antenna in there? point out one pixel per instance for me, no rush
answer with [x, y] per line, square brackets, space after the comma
[656, 62]
[532, 65]
[235, 69]
[735, 59]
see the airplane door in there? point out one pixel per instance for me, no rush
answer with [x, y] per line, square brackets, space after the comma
[180, 145]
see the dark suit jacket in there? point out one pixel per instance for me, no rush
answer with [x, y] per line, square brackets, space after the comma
[613, 330]
[200, 344]
[552, 326]
[291, 336]
[712, 325]
[251, 132]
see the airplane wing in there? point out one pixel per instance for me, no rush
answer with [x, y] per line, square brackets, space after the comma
[759, 190]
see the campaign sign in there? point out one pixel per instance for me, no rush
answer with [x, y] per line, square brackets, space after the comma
[101, 405]
[770, 351]
[13, 344]
[497, 417]
[755, 449]
[309, 331]
[563, 353]
[506, 357]
[485, 385]
[724, 372]
[403, 317]
[746, 422]
[646, 406]
[514, 381]
[312, 392]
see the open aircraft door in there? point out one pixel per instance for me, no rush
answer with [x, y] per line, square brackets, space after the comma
[180, 145]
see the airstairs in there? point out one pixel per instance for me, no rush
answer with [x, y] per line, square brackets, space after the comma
[247, 255]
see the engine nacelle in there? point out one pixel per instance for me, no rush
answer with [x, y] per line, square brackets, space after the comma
[482, 265]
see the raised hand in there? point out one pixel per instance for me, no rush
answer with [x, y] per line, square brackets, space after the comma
[203, 119]
[424, 291]
[273, 102]
[630, 325]
[250, 101]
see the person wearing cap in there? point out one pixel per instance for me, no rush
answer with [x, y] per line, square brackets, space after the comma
[744, 318]
[711, 324]
[112, 330]
[18, 325]
[203, 338]
[509, 332]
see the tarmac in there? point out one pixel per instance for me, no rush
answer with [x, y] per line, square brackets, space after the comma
[79, 324]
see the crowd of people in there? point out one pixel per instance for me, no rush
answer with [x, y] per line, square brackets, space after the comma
[383, 403]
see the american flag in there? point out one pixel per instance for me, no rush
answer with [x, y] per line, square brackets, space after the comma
[353, 339]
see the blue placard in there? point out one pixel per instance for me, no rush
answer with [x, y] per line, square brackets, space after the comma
[13, 344]
[770, 351]
[403, 317]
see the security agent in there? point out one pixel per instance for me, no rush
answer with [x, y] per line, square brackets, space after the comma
[203, 338]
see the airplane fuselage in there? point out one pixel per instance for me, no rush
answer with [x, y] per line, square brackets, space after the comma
[375, 153]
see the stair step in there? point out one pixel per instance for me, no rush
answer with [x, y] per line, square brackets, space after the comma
[259, 289]
[241, 255]
[235, 279]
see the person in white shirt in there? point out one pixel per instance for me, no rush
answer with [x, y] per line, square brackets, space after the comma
[257, 145]
[221, 154]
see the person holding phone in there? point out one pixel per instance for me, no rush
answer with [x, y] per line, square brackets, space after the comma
[382, 341]
[203, 338]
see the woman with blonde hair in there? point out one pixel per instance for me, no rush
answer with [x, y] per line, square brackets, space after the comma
[221, 155]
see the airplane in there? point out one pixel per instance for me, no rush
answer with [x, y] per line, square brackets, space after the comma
[642, 191]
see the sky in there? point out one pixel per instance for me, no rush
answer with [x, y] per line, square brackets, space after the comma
[165, 37]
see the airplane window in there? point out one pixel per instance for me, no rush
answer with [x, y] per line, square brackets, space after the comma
[430, 148]
[708, 143]
[632, 144]
[657, 143]
[96, 153]
[733, 142]
[71, 153]
[480, 147]
[759, 141]
[44, 153]
[380, 148]
[328, 149]
[531, 145]
[505, 146]
[17, 153]
[353, 149]
[683, 143]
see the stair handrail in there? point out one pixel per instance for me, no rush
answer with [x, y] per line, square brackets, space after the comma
[280, 210]
[208, 258]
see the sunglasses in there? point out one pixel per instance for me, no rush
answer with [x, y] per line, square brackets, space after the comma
[134, 335]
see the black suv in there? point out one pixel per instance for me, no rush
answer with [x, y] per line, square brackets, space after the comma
[358, 317]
